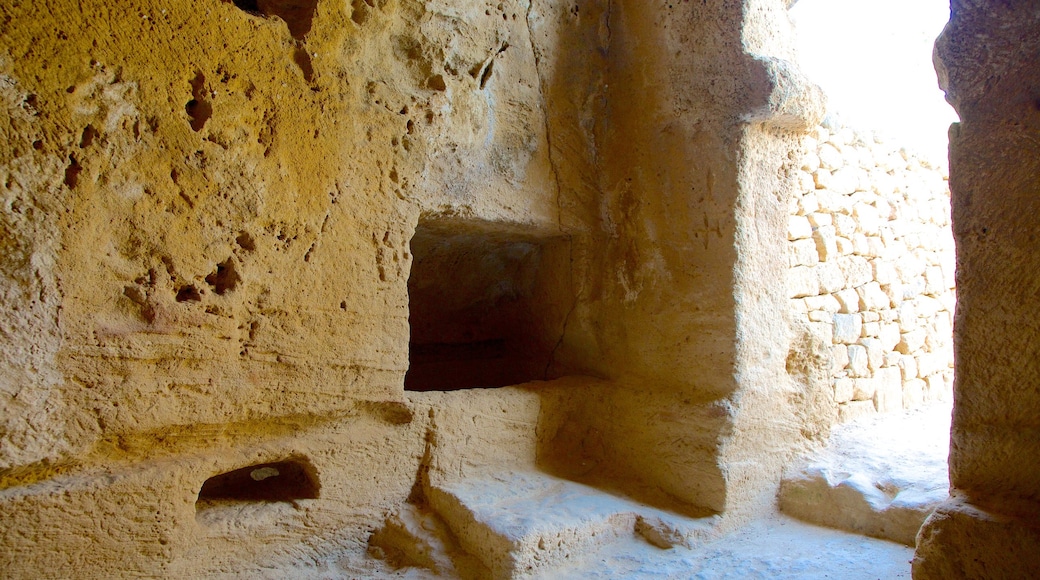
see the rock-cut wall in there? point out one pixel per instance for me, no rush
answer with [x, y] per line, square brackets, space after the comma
[240, 237]
[872, 269]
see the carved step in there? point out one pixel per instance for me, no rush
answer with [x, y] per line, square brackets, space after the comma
[524, 524]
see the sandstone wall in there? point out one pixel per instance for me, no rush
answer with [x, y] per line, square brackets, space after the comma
[988, 66]
[221, 218]
[872, 269]
[207, 213]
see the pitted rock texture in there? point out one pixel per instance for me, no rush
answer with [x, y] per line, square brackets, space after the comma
[210, 231]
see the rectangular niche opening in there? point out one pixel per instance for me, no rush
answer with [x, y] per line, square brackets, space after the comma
[486, 304]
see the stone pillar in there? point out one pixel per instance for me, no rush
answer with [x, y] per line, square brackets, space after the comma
[988, 60]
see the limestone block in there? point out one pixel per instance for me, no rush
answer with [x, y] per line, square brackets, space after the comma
[810, 161]
[802, 281]
[875, 246]
[935, 387]
[884, 272]
[844, 181]
[803, 253]
[907, 313]
[888, 239]
[830, 276]
[854, 410]
[830, 201]
[839, 358]
[909, 267]
[928, 307]
[795, 104]
[844, 225]
[845, 246]
[796, 306]
[847, 328]
[894, 292]
[860, 245]
[867, 158]
[818, 219]
[867, 217]
[892, 358]
[822, 178]
[830, 157]
[911, 342]
[870, 329]
[826, 244]
[930, 363]
[913, 288]
[807, 203]
[875, 353]
[826, 302]
[863, 389]
[948, 273]
[941, 327]
[889, 335]
[798, 228]
[871, 297]
[848, 300]
[908, 367]
[889, 394]
[818, 316]
[913, 394]
[857, 270]
[843, 390]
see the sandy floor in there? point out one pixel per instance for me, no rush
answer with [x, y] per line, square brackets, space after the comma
[777, 547]
[903, 451]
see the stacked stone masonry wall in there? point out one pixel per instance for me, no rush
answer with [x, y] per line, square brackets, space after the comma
[872, 269]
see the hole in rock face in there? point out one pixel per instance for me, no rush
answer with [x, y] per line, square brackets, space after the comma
[72, 172]
[189, 293]
[225, 278]
[297, 14]
[486, 76]
[486, 305]
[266, 482]
[198, 108]
[303, 60]
[89, 133]
[246, 242]
[436, 82]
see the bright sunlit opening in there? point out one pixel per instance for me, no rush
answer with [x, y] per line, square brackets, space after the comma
[873, 58]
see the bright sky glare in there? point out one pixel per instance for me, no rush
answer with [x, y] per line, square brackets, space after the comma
[873, 58]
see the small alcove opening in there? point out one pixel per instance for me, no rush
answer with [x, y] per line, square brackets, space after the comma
[487, 303]
[297, 14]
[280, 481]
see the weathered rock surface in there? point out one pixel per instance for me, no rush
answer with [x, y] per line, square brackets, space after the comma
[988, 528]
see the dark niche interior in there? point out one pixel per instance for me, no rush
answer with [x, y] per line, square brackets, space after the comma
[281, 481]
[487, 304]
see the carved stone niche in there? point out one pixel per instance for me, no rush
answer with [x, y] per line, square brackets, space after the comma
[487, 303]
